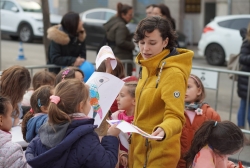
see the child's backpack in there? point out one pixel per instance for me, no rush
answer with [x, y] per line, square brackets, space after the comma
[234, 65]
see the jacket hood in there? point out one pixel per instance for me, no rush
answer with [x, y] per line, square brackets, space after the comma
[75, 129]
[52, 135]
[176, 58]
[5, 137]
[34, 124]
[56, 34]
[114, 20]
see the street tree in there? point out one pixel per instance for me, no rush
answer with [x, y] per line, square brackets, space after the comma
[46, 25]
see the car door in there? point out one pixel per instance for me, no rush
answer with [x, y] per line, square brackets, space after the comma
[232, 37]
[9, 16]
[93, 25]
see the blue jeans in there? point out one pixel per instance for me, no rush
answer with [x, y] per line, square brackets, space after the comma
[241, 113]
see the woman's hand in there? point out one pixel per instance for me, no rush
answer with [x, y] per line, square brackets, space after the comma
[159, 132]
[79, 61]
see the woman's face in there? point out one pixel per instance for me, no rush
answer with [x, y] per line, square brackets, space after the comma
[157, 12]
[128, 16]
[152, 44]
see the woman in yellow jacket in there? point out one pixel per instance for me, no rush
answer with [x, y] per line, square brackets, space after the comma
[160, 95]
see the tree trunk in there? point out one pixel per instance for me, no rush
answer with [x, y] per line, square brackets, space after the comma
[46, 25]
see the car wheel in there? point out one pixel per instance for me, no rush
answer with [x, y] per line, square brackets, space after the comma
[25, 33]
[215, 54]
[14, 37]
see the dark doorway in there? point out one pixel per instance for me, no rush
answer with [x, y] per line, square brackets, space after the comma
[210, 9]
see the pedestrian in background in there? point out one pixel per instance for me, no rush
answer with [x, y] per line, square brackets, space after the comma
[243, 85]
[149, 10]
[118, 35]
[163, 11]
[67, 47]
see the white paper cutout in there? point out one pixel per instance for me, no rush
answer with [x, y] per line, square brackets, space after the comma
[103, 88]
[125, 127]
[104, 53]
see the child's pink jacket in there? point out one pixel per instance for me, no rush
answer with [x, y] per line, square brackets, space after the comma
[206, 158]
[11, 154]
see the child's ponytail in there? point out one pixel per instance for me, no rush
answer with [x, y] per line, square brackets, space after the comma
[26, 118]
[200, 140]
[57, 116]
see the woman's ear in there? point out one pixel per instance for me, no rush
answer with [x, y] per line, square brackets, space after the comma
[165, 42]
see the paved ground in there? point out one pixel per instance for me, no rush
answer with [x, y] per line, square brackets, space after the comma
[34, 54]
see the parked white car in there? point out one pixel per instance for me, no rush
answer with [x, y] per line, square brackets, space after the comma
[23, 19]
[221, 37]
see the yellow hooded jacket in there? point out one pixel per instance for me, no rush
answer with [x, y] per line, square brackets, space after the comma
[160, 96]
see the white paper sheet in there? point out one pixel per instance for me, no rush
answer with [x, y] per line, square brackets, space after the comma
[104, 89]
[127, 127]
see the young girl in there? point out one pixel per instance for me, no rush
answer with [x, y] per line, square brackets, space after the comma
[69, 73]
[212, 144]
[68, 138]
[14, 83]
[196, 112]
[11, 154]
[126, 106]
[37, 115]
[39, 79]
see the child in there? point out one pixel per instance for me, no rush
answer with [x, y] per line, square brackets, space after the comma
[14, 83]
[196, 112]
[69, 73]
[126, 106]
[68, 138]
[37, 115]
[39, 79]
[11, 154]
[212, 144]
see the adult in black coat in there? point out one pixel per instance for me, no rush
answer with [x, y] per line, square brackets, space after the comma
[244, 61]
[67, 47]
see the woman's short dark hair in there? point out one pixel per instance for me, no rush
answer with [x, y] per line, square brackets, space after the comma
[122, 9]
[70, 23]
[149, 24]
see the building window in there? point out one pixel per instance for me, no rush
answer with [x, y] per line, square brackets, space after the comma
[192, 6]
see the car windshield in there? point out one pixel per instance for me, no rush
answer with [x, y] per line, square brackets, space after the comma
[30, 6]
